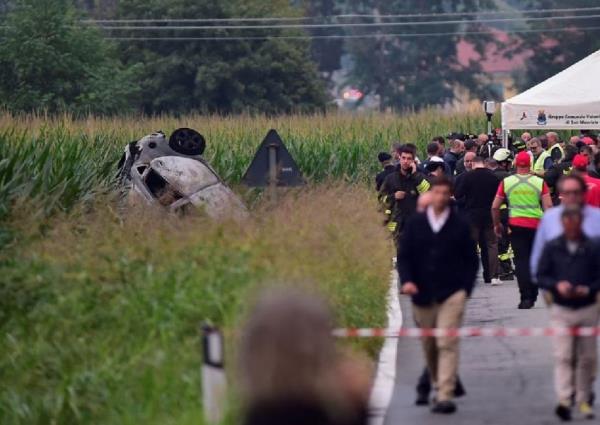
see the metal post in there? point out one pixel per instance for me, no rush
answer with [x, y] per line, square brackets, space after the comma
[489, 124]
[505, 134]
[273, 172]
[214, 384]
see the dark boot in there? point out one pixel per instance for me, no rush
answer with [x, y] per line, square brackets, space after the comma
[459, 389]
[423, 389]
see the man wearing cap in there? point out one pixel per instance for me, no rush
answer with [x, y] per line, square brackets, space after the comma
[526, 196]
[386, 162]
[435, 167]
[541, 158]
[505, 268]
[580, 166]
[587, 140]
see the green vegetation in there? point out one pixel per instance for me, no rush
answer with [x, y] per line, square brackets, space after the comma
[49, 61]
[59, 161]
[100, 308]
[99, 317]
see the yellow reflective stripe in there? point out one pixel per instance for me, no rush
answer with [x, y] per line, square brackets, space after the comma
[538, 164]
[423, 187]
[391, 226]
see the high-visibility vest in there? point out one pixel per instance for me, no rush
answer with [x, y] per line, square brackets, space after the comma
[523, 193]
[537, 166]
[560, 148]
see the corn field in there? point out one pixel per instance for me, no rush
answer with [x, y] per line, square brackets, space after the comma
[55, 162]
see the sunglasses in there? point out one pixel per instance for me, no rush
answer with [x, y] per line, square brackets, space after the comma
[571, 192]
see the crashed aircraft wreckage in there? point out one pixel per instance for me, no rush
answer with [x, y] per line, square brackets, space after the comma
[174, 174]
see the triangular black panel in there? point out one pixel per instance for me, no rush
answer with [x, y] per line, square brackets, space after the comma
[288, 173]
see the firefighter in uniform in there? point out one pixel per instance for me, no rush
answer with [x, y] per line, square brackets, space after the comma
[527, 195]
[505, 255]
[400, 192]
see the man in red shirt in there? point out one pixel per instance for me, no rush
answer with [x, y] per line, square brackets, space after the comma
[526, 195]
[580, 166]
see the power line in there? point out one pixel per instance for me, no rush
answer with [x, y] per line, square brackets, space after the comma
[347, 16]
[344, 25]
[350, 36]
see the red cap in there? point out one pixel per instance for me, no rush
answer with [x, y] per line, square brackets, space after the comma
[523, 159]
[588, 140]
[580, 162]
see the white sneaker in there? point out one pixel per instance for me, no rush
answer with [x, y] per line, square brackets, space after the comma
[496, 282]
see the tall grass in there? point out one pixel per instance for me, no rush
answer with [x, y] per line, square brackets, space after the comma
[59, 160]
[99, 311]
[99, 318]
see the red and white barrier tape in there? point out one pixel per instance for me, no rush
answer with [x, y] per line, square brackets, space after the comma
[463, 332]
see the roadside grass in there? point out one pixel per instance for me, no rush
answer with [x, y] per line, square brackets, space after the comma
[100, 310]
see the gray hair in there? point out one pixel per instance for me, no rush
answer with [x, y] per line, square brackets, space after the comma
[287, 349]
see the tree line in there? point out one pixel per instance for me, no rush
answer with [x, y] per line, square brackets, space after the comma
[52, 59]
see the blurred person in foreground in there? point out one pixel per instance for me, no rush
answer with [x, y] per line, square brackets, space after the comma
[437, 266]
[572, 190]
[291, 370]
[568, 270]
[526, 196]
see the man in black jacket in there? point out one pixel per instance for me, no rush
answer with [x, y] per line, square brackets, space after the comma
[569, 271]
[401, 190]
[478, 190]
[437, 266]
[388, 168]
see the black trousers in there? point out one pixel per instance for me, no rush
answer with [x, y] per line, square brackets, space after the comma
[521, 239]
[483, 233]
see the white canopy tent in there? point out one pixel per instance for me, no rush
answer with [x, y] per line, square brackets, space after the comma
[568, 100]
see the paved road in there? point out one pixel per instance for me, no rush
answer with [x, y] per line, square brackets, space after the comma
[508, 380]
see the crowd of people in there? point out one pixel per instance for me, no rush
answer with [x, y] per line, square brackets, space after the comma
[535, 205]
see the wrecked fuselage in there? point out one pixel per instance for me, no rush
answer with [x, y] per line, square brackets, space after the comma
[173, 173]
